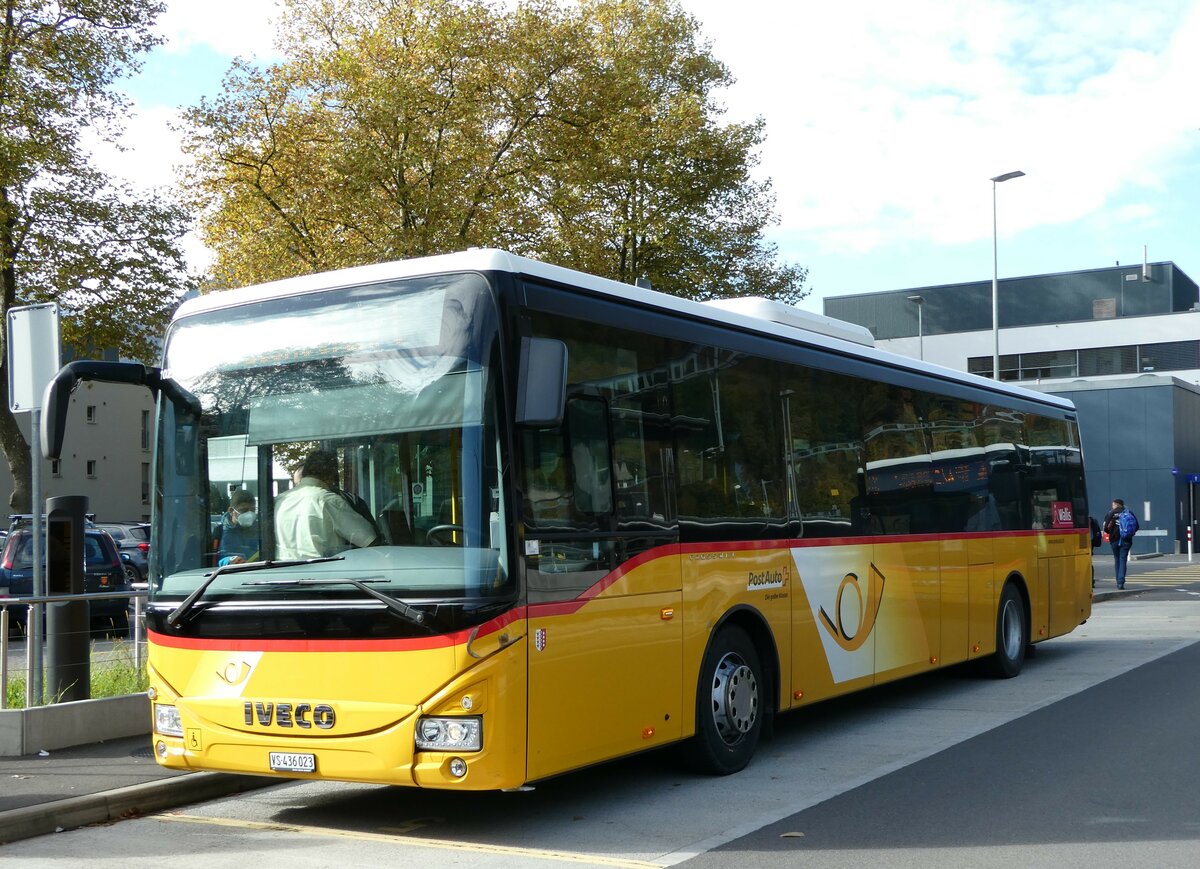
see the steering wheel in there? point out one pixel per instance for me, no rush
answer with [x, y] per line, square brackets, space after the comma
[433, 534]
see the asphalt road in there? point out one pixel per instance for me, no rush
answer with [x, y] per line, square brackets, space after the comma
[1107, 777]
[1087, 759]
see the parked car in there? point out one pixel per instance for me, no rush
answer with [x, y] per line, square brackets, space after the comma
[24, 520]
[103, 571]
[133, 539]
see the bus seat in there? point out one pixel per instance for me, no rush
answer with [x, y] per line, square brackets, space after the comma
[395, 524]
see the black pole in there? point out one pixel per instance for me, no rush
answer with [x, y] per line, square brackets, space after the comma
[68, 623]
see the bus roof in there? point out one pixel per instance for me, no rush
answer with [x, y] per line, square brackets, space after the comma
[751, 315]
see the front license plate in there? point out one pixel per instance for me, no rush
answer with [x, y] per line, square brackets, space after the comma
[291, 761]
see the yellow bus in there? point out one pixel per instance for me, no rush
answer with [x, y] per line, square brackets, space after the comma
[602, 520]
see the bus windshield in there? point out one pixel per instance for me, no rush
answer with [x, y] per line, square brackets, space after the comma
[335, 456]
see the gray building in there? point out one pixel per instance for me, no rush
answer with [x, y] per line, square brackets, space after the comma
[106, 454]
[1122, 342]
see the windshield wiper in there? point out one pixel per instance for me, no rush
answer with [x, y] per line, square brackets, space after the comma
[184, 608]
[410, 614]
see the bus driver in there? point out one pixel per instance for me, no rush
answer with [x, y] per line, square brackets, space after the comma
[313, 519]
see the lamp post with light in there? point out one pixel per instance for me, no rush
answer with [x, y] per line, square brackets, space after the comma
[919, 301]
[1007, 176]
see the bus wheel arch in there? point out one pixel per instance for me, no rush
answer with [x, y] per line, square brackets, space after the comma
[735, 695]
[1012, 630]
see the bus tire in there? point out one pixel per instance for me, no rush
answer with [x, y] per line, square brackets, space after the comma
[729, 705]
[1012, 635]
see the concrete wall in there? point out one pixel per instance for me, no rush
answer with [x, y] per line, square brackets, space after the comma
[61, 725]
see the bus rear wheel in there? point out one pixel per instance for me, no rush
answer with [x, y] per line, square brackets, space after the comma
[729, 713]
[1012, 635]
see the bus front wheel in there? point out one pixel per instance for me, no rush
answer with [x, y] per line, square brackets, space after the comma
[729, 714]
[1012, 635]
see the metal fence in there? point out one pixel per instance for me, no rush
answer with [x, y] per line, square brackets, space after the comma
[136, 629]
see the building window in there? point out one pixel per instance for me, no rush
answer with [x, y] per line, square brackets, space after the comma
[1097, 361]
[1010, 366]
[1093, 361]
[145, 429]
[91, 468]
[1055, 363]
[56, 467]
[1169, 356]
[145, 482]
[91, 413]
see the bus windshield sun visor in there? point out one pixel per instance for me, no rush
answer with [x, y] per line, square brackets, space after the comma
[454, 400]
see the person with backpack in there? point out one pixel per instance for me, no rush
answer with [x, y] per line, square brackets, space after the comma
[1120, 526]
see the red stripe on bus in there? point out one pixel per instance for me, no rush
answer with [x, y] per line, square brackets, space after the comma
[409, 644]
[567, 607]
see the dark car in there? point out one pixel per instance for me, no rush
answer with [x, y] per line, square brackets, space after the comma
[133, 539]
[103, 572]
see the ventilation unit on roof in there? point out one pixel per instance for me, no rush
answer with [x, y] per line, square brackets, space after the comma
[789, 315]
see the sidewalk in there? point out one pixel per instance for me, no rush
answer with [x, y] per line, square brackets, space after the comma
[1105, 567]
[91, 784]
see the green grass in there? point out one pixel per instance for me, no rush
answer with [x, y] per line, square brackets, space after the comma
[114, 676]
[15, 692]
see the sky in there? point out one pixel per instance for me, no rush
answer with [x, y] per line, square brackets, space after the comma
[884, 123]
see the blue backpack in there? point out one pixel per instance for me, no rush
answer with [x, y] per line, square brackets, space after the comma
[1128, 524]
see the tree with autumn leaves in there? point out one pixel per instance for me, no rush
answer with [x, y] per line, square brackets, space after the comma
[584, 134]
[69, 234]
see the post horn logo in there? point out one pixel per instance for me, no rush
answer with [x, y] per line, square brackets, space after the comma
[851, 638]
[234, 672]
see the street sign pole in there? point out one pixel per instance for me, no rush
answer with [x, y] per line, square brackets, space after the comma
[1192, 480]
[33, 624]
[33, 360]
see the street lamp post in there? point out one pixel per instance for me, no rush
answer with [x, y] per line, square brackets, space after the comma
[919, 301]
[1007, 176]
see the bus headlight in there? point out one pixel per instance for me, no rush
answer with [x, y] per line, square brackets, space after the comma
[450, 734]
[167, 721]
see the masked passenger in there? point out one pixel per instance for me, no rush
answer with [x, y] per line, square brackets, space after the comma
[237, 536]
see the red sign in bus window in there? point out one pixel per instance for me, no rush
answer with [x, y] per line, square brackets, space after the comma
[1061, 515]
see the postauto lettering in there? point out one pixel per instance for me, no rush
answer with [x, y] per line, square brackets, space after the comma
[289, 715]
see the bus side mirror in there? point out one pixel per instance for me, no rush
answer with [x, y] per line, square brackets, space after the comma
[56, 400]
[541, 382]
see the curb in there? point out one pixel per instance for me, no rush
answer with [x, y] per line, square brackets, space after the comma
[131, 801]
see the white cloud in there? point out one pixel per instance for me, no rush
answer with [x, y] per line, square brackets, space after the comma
[885, 120]
[151, 148]
[237, 28]
[149, 159]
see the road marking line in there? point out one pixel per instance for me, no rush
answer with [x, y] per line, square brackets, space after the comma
[439, 844]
